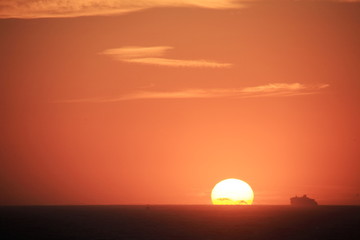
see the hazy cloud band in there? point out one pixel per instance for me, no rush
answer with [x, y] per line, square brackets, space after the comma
[76, 8]
[269, 90]
[152, 56]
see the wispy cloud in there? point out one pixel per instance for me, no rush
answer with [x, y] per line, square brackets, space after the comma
[136, 52]
[179, 63]
[152, 56]
[283, 87]
[269, 90]
[76, 8]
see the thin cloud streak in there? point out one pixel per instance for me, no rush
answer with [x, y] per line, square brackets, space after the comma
[77, 8]
[269, 90]
[136, 52]
[276, 87]
[151, 56]
[179, 63]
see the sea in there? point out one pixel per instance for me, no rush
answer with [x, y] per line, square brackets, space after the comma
[187, 222]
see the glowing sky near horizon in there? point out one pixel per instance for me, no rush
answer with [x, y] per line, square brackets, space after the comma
[154, 102]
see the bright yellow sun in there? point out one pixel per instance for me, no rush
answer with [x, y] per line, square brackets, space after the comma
[232, 192]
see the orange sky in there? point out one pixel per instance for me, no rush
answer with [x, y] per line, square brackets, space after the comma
[155, 102]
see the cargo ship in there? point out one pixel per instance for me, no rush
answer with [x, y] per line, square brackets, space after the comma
[302, 201]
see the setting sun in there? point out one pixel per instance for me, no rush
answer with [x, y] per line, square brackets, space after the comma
[232, 192]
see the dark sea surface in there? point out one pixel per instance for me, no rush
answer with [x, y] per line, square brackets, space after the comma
[179, 222]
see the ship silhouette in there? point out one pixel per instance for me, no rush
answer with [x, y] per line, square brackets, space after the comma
[302, 201]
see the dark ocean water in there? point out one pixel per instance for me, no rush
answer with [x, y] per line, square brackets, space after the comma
[180, 222]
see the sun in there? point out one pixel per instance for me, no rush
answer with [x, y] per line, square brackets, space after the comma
[232, 192]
